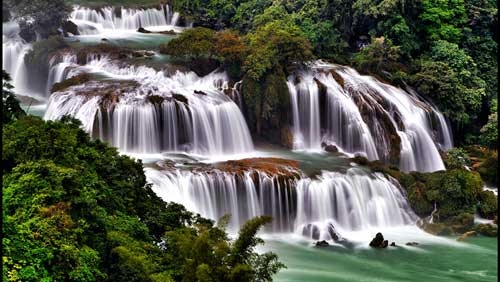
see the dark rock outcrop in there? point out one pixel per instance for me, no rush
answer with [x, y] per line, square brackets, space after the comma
[412, 244]
[322, 243]
[329, 148]
[143, 30]
[393, 244]
[379, 242]
[71, 27]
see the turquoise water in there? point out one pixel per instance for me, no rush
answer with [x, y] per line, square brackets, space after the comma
[475, 260]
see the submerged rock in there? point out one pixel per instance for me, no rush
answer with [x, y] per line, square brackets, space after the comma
[466, 235]
[379, 242]
[412, 244]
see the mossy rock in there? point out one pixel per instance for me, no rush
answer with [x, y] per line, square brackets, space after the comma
[488, 204]
[75, 80]
[487, 229]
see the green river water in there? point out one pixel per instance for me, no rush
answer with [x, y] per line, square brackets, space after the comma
[474, 261]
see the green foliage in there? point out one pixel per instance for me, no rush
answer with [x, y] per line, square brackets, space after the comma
[192, 43]
[457, 158]
[488, 204]
[450, 78]
[454, 192]
[11, 110]
[443, 19]
[277, 44]
[379, 56]
[489, 132]
[488, 168]
[76, 210]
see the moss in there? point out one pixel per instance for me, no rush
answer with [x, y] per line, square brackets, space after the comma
[488, 204]
[269, 166]
[75, 80]
[486, 229]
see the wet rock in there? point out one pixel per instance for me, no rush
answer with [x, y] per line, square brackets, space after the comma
[393, 244]
[270, 166]
[75, 80]
[466, 235]
[104, 39]
[142, 30]
[379, 242]
[287, 137]
[71, 27]
[143, 53]
[322, 243]
[412, 244]
[332, 232]
[330, 148]
[311, 231]
[486, 229]
[200, 92]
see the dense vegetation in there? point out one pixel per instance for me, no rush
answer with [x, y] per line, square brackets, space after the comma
[452, 196]
[446, 50]
[74, 209]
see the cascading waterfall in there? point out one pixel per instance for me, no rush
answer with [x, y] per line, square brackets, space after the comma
[14, 48]
[92, 21]
[361, 115]
[315, 208]
[155, 113]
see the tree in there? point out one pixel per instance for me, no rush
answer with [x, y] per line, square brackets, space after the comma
[11, 110]
[192, 43]
[443, 19]
[74, 209]
[450, 77]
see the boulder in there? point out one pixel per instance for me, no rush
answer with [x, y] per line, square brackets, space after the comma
[412, 244]
[379, 242]
[322, 243]
[71, 27]
[142, 30]
[393, 244]
[333, 232]
[466, 235]
[329, 148]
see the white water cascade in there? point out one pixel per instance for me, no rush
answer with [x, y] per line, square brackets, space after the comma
[91, 21]
[335, 105]
[145, 111]
[14, 48]
[322, 208]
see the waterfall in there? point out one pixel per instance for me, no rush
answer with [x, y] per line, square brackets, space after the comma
[144, 111]
[91, 21]
[321, 208]
[360, 115]
[14, 48]
[60, 70]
